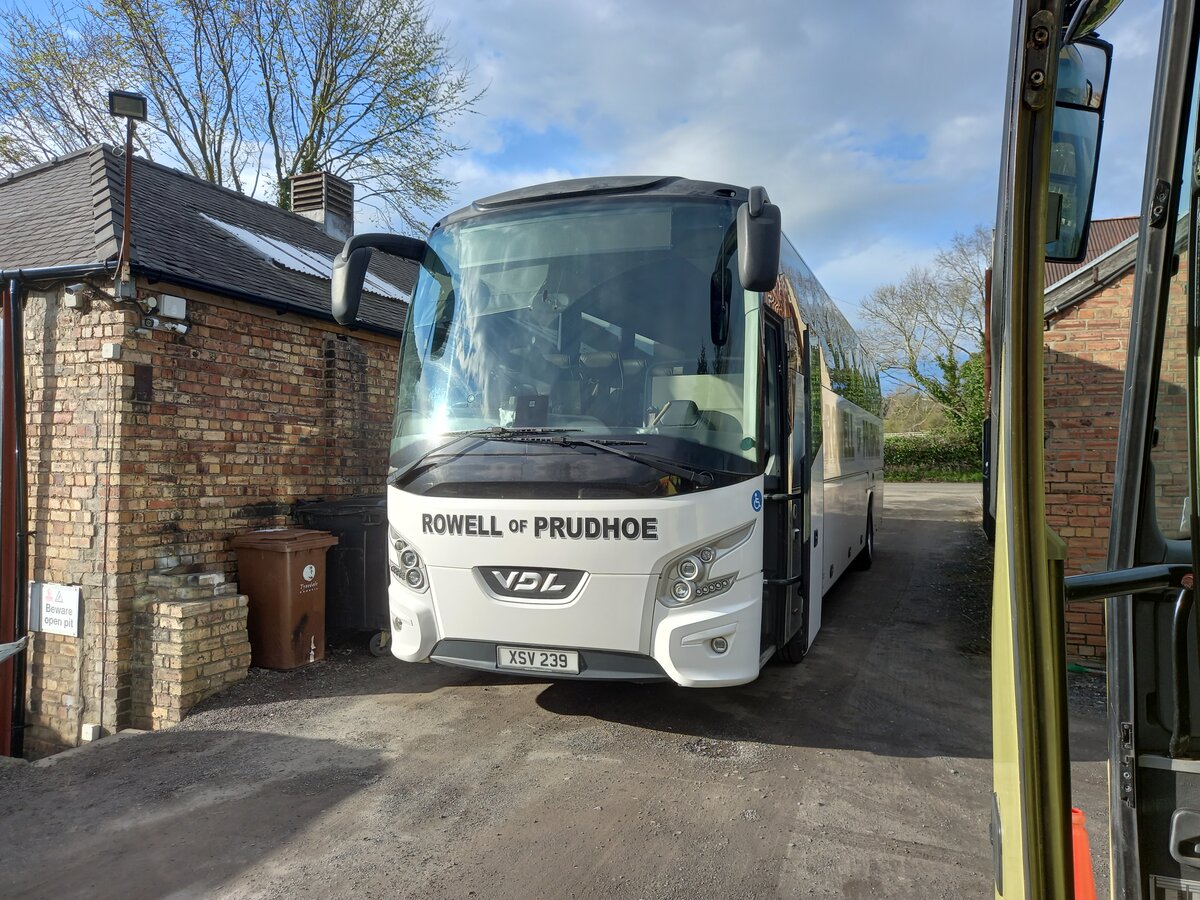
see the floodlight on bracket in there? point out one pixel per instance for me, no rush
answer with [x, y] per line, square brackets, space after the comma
[132, 108]
[127, 105]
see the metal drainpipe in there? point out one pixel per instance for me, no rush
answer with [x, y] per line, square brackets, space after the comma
[12, 589]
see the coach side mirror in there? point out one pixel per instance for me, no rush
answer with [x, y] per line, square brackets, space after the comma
[350, 269]
[759, 233]
[1079, 99]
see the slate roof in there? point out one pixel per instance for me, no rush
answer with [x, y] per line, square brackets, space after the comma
[70, 210]
[1104, 235]
[1111, 253]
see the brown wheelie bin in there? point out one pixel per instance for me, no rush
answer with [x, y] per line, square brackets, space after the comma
[282, 571]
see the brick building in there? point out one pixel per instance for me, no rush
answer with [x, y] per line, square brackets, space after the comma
[202, 400]
[1087, 309]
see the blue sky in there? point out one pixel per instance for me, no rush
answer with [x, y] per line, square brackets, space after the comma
[875, 126]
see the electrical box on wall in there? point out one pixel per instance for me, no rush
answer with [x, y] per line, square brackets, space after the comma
[172, 307]
[75, 297]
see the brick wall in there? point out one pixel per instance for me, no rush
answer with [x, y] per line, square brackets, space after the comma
[158, 458]
[191, 631]
[74, 453]
[248, 412]
[1170, 453]
[1086, 347]
[1085, 375]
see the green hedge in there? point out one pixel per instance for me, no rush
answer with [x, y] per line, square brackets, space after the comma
[932, 457]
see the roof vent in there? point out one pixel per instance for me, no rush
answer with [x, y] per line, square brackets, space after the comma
[327, 200]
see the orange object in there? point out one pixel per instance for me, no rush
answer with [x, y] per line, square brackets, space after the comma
[1085, 882]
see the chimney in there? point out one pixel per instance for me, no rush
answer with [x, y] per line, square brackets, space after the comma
[327, 200]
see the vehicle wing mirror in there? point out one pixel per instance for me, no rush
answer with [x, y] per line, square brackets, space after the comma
[350, 269]
[346, 284]
[759, 233]
[1079, 100]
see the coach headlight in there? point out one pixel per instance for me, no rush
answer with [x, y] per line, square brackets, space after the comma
[689, 568]
[689, 577]
[405, 563]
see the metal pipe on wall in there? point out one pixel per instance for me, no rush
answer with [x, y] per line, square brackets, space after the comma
[9, 594]
[19, 506]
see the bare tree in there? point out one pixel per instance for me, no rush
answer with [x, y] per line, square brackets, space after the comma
[242, 90]
[55, 73]
[186, 55]
[927, 331]
[962, 269]
[908, 412]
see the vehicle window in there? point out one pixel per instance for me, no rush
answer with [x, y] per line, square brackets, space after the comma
[1169, 455]
[595, 316]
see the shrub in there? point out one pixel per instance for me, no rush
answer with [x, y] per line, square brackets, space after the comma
[932, 457]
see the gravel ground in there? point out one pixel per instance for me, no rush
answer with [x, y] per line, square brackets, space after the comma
[862, 772]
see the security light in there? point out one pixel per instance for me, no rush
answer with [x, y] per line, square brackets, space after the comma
[127, 104]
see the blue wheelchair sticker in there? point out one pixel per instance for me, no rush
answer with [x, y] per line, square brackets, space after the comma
[756, 500]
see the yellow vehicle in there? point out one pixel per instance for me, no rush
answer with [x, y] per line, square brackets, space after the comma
[1056, 88]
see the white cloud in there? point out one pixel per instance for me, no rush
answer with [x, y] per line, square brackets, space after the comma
[875, 127]
[870, 265]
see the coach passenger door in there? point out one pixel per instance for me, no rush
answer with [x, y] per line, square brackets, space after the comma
[777, 510]
[804, 609]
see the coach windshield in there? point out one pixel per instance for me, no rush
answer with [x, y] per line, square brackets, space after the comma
[597, 318]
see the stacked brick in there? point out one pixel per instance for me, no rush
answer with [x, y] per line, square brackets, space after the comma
[192, 634]
[158, 458]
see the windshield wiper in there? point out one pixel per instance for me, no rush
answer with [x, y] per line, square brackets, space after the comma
[696, 477]
[560, 437]
[494, 433]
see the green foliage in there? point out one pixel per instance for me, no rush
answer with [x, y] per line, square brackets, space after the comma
[969, 421]
[932, 457]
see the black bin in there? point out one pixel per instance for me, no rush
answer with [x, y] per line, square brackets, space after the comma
[356, 596]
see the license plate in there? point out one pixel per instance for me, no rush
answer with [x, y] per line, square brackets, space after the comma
[538, 659]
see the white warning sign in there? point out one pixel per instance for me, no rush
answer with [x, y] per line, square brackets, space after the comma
[55, 608]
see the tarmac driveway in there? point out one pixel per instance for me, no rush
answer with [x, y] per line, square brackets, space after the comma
[862, 772]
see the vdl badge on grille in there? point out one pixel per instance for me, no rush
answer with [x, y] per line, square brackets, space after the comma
[530, 583]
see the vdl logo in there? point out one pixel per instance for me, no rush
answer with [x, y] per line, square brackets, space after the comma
[530, 584]
[756, 500]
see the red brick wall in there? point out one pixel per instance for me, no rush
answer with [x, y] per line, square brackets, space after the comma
[248, 412]
[1085, 374]
[1086, 347]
